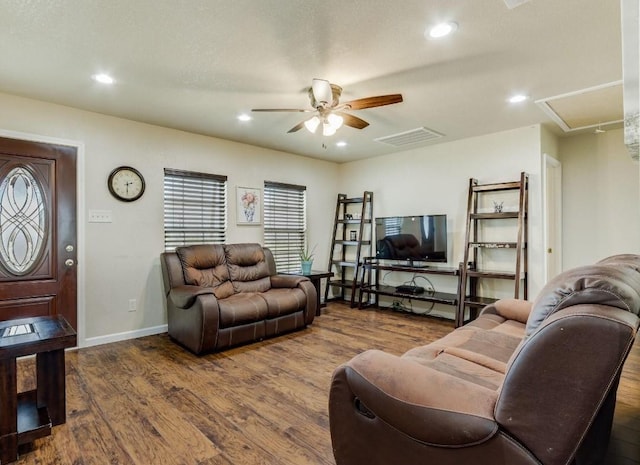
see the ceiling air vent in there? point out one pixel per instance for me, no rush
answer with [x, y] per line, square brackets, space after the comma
[414, 136]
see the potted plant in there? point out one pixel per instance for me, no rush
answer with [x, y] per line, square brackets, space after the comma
[306, 259]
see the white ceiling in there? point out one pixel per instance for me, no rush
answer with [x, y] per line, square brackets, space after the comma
[196, 64]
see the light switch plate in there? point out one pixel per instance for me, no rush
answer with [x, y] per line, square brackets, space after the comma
[100, 216]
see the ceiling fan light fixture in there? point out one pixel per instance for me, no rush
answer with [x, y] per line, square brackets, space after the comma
[328, 130]
[321, 89]
[335, 121]
[327, 109]
[312, 124]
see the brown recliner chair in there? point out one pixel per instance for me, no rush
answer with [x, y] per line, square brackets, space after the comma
[220, 296]
[525, 383]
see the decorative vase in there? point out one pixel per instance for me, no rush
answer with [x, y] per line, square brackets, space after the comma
[306, 266]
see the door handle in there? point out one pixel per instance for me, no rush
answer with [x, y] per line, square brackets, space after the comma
[69, 262]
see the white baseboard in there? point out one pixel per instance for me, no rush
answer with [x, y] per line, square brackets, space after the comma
[99, 340]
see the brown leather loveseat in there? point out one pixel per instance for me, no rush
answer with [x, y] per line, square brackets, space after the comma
[524, 383]
[224, 295]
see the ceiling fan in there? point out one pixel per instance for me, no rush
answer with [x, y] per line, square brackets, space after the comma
[325, 99]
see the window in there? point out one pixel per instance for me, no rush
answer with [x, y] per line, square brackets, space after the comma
[23, 212]
[195, 208]
[285, 223]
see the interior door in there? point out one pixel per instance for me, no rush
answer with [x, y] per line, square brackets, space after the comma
[553, 216]
[37, 230]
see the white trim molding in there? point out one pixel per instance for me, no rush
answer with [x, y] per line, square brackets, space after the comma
[109, 338]
[631, 75]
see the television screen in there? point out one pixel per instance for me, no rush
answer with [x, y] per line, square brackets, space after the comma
[412, 238]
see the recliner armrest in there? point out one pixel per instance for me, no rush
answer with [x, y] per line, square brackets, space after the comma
[184, 296]
[426, 404]
[287, 280]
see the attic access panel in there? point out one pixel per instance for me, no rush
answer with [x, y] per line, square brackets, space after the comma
[587, 108]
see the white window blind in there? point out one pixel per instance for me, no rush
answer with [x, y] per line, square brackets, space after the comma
[195, 208]
[285, 223]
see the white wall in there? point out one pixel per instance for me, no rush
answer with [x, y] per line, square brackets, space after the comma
[549, 143]
[435, 179]
[601, 192]
[122, 258]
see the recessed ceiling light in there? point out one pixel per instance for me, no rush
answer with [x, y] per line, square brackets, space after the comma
[103, 78]
[341, 143]
[244, 117]
[441, 30]
[518, 98]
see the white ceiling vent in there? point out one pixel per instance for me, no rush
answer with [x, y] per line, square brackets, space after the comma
[511, 4]
[413, 136]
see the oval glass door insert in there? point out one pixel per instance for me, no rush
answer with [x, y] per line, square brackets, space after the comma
[23, 221]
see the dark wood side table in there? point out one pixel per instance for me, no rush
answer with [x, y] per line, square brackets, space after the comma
[316, 278]
[27, 416]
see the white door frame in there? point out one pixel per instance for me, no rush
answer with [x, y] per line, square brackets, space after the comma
[552, 215]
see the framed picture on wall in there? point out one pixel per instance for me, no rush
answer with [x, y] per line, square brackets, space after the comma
[248, 205]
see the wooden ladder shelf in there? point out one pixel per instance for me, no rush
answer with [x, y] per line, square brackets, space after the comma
[350, 242]
[478, 247]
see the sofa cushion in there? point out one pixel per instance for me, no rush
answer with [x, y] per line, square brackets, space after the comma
[489, 346]
[248, 269]
[239, 309]
[462, 368]
[284, 301]
[602, 284]
[205, 265]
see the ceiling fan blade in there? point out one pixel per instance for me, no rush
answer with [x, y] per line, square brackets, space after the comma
[353, 121]
[370, 102]
[281, 109]
[296, 128]
[321, 89]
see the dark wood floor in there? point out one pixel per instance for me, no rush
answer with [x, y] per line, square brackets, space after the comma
[148, 401]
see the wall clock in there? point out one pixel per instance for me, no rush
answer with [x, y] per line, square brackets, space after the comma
[126, 183]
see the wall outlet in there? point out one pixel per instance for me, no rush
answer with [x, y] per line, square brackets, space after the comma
[133, 305]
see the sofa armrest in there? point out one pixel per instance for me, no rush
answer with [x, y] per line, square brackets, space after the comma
[426, 404]
[290, 281]
[510, 309]
[185, 296]
[287, 280]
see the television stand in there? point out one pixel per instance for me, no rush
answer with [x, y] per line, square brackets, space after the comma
[371, 286]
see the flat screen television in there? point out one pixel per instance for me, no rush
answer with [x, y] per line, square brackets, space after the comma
[412, 238]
